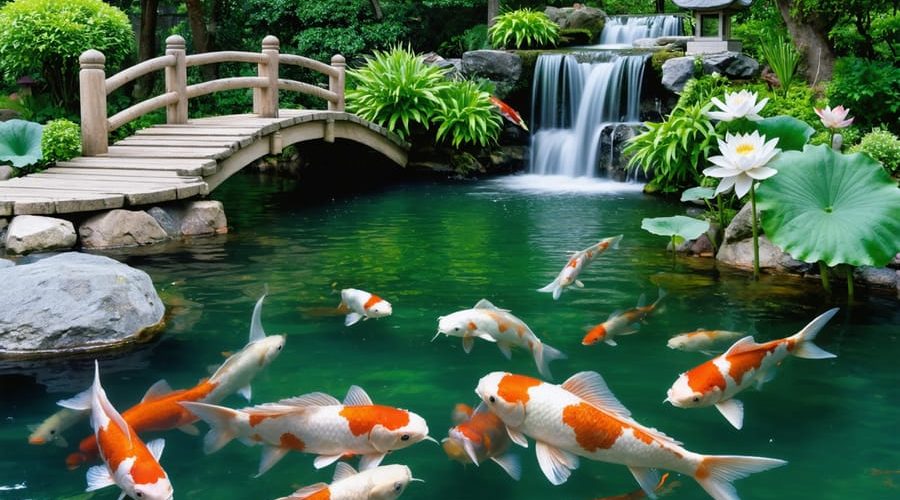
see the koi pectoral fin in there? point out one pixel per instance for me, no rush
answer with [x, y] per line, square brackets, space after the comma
[467, 343]
[555, 463]
[647, 478]
[510, 463]
[733, 411]
[370, 461]
[98, 477]
[270, 456]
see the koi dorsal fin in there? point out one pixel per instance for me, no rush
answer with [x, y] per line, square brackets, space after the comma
[256, 328]
[157, 390]
[745, 344]
[591, 387]
[343, 470]
[486, 304]
[311, 399]
[356, 396]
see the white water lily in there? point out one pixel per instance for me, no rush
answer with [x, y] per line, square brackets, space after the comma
[743, 160]
[738, 105]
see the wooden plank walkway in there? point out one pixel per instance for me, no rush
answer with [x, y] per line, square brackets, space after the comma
[159, 164]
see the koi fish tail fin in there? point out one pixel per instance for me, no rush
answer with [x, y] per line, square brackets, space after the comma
[804, 347]
[78, 402]
[716, 473]
[543, 355]
[553, 288]
[221, 424]
[614, 244]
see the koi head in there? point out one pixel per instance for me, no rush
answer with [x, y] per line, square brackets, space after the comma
[159, 490]
[458, 446]
[454, 325]
[385, 439]
[682, 395]
[379, 309]
[390, 481]
[505, 395]
[679, 343]
[596, 334]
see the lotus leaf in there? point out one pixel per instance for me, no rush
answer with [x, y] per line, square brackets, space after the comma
[698, 193]
[677, 226]
[20, 142]
[831, 207]
[792, 133]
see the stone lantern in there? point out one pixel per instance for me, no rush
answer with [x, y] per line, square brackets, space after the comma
[712, 25]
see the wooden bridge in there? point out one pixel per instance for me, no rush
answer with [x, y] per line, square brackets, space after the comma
[186, 157]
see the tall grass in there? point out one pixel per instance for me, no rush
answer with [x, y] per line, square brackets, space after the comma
[783, 58]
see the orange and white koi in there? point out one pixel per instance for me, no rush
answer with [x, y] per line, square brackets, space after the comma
[128, 462]
[314, 423]
[490, 323]
[622, 322]
[705, 341]
[362, 305]
[385, 482]
[160, 408]
[51, 429]
[745, 363]
[509, 113]
[582, 418]
[480, 437]
[578, 261]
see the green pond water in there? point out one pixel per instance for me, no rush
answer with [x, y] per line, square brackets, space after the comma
[431, 249]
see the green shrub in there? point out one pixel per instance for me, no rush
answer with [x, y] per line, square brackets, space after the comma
[701, 90]
[871, 89]
[467, 116]
[783, 58]
[883, 147]
[60, 141]
[396, 88]
[46, 37]
[525, 28]
[474, 38]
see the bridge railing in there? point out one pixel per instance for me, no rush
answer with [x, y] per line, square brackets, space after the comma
[95, 86]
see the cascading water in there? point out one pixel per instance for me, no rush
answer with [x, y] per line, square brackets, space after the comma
[574, 102]
[623, 30]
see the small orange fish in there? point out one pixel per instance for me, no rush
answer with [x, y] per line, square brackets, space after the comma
[639, 493]
[480, 437]
[622, 323]
[509, 113]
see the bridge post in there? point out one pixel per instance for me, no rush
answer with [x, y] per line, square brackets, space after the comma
[92, 90]
[266, 99]
[336, 83]
[176, 80]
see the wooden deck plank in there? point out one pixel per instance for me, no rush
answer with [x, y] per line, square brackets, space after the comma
[186, 171]
[201, 130]
[210, 140]
[100, 177]
[168, 152]
[184, 187]
[156, 142]
[143, 194]
[50, 201]
[121, 172]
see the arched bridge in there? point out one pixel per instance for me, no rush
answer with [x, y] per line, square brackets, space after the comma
[187, 157]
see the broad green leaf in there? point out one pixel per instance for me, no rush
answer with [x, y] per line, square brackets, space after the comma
[676, 225]
[698, 193]
[792, 133]
[20, 142]
[828, 206]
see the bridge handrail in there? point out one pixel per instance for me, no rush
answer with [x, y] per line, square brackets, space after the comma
[95, 86]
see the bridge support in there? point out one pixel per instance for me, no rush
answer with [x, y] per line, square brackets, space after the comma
[94, 124]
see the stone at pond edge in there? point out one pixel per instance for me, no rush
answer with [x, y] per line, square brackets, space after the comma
[121, 228]
[204, 217]
[677, 71]
[6, 172]
[741, 226]
[503, 68]
[589, 18]
[168, 218]
[34, 233]
[75, 302]
[880, 277]
[740, 254]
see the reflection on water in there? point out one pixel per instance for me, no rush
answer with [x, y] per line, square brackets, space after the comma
[434, 249]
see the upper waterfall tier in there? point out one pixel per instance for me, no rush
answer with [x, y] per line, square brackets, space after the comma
[624, 30]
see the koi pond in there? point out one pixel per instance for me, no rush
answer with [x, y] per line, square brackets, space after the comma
[432, 249]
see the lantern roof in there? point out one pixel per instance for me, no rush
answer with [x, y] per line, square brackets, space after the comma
[706, 5]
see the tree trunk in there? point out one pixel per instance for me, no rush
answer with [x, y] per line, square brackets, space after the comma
[493, 11]
[810, 36]
[376, 6]
[147, 47]
[660, 6]
[200, 36]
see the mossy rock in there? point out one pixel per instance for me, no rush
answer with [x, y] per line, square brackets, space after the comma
[578, 36]
[659, 58]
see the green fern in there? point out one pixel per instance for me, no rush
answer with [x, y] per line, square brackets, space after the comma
[526, 28]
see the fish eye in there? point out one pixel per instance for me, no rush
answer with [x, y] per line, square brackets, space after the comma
[696, 399]
[139, 494]
[404, 437]
[280, 346]
[492, 399]
[52, 431]
[398, 486]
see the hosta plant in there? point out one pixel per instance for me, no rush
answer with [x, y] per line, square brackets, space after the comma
[465, 115]
[20, 142]
[524, 28]
[396, 88]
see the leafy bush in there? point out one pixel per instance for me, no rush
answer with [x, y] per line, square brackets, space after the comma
[20, 142]
[783, 58]
[676, 149]
[883, 147]
[48, 36]
[474, 38]
[395, 88]
[60, 141]
[526, 28]
[701, 90]
[467, 116]
[871, 89]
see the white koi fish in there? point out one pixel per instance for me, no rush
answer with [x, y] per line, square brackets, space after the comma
[362, 305]
[385, 482]
[745, 363]
[314, 423]
[622, 323]
[128, 462]
[578, 261]
[51, 429]
[487, 322]
[481, 436]
[705, 341]
[582, 418]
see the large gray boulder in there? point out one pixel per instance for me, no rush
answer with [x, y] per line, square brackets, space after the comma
[503, 68]
[33, 233]
[121, 228]
[734, 65]
[741, 226]
[582, 17]
[75, 302]
[204, 218]
[676, 72]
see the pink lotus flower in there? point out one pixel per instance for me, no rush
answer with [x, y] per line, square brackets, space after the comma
[834, 118]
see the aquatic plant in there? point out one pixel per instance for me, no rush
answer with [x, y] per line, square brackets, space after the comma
[831, 208]
[526, 28]
[466, 115]
[738, 105]
[20, 142]
[783, 58]
[677, 227]
[60, 141]
[792, 134]
[396, 88]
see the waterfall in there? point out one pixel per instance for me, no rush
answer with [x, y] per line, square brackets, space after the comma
[623, 30]
[574, 103]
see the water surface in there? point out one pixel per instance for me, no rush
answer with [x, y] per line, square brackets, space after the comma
[432, 249]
